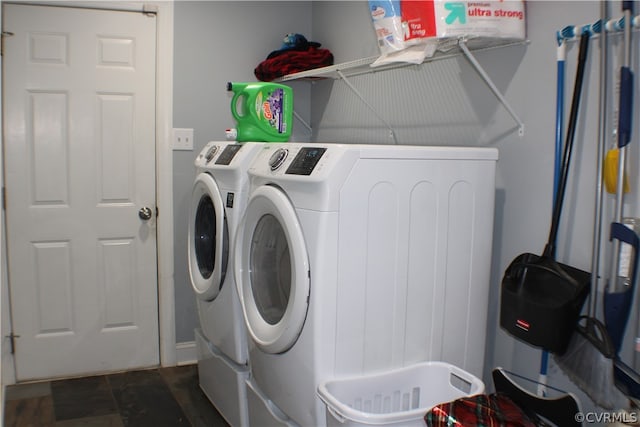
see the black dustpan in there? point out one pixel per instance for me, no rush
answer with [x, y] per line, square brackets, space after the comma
[541, 299]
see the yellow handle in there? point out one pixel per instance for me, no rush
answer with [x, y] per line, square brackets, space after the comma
[610, 172]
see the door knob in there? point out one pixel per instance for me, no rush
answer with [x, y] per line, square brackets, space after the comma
[145, 213]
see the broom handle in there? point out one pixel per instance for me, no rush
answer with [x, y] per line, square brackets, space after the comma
[550, 248]
[602, 147]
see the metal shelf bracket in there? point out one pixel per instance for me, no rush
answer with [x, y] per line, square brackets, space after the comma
[304, 123]
[392, 133]
[492, 86]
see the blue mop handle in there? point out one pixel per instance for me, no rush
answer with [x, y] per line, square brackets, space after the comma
[624, 138]
[626, 81]
[626, 107]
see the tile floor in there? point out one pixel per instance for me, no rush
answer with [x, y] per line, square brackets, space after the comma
[166, 397]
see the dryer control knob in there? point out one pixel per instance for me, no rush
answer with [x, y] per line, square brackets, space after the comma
[277, 159]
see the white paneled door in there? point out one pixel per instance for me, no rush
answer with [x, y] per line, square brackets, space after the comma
[79, 123]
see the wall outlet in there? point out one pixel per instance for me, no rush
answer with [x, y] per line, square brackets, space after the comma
[182, 139]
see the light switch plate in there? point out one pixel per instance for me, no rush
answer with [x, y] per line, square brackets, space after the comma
[182, 139]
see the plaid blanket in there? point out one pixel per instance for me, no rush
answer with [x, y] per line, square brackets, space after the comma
[495, 410]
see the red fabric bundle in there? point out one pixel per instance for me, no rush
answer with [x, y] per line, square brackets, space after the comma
[495, 410]
[280, 63]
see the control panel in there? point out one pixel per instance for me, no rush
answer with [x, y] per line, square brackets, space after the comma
[228, 154]
[293, 160]
[305, 161]
[217, 153]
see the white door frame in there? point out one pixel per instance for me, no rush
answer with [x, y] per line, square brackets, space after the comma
[164, 172]
[3, 283]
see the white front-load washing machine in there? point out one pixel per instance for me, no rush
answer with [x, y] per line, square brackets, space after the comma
[353, 259]
[218, 200]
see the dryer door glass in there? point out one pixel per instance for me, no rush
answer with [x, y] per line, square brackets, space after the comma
[207, 242]
[205, 236]
[208, 239]
[270, 269]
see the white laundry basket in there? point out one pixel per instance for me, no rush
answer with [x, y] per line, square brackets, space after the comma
[399, 397]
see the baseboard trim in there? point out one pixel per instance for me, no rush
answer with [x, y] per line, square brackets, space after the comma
[186, 353]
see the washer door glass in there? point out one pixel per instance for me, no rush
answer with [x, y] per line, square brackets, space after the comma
[208, 239]
[272, 270]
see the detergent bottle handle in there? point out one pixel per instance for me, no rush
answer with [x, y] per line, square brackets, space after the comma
[237, 89]
[234, 106]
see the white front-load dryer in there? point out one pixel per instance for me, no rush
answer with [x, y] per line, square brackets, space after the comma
[218, 199]
[353, 259]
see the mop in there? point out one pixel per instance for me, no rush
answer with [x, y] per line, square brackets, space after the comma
[589, 359]
[619, 293]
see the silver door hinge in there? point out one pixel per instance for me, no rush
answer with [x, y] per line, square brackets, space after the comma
[150, 10]
[3, 36]
[12, 340]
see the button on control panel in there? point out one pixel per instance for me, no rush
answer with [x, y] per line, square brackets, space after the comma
[211, 152]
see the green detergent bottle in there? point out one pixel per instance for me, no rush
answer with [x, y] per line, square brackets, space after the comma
[263, 111]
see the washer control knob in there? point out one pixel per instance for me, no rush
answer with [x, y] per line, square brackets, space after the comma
[277, 159]
[145, 213]
[210, 153]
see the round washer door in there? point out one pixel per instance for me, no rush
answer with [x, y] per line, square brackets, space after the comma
[272, 270]
[208, 238]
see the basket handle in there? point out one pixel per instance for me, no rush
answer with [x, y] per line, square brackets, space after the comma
[458, 377]
[336, 415]
[320, 392]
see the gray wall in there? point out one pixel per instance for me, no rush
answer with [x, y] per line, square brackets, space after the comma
[217, 42]
[444, 102]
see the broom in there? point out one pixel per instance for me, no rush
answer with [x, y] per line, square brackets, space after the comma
[589, 359]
